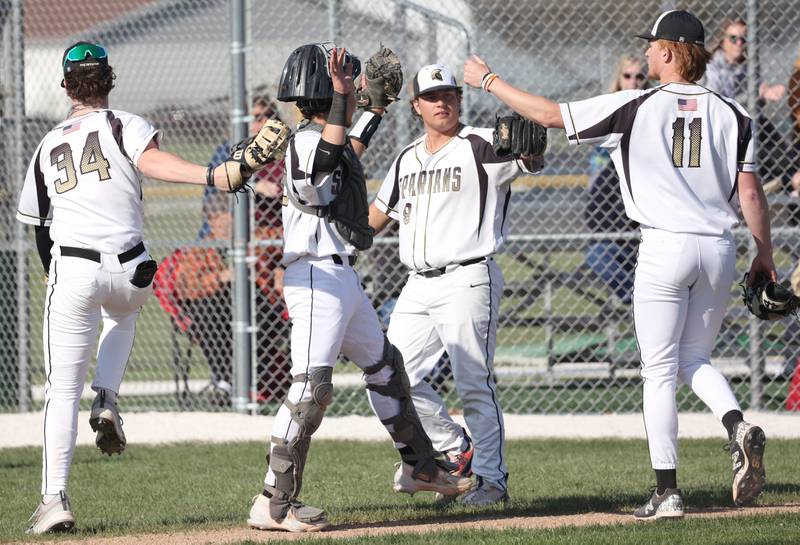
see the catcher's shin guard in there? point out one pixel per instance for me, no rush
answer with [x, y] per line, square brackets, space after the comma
[404, 427]
[288, 458]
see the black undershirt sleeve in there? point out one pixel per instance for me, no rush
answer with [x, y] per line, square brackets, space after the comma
[43, 245]
[327, 157]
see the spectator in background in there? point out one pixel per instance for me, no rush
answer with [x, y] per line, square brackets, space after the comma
[613, 260]
[794, 107]
[726, 74]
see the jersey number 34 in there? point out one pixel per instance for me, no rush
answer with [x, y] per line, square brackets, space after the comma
[92, 160]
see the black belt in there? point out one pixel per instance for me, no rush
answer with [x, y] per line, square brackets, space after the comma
[124, 257]
[432, 273]
[351, 259]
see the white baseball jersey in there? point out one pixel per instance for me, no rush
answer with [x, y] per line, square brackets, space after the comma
[690, 189]
[463, 188]
[303, 233]
[83, 184]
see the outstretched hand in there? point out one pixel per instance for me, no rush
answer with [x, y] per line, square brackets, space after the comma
[341, 74]
[474, 70]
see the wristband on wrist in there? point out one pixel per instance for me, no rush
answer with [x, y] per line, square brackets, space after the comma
[210, 176]
[338, 112]
[365, 127]
[487, 80]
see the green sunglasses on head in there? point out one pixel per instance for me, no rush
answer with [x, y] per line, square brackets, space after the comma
[82, 52]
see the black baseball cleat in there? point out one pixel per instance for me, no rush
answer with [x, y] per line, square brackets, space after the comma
[747, 453]
[668, 505]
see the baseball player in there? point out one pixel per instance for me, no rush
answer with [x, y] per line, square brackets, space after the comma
[325, 222]
[450, 177]
[82, 193]
[682, 153]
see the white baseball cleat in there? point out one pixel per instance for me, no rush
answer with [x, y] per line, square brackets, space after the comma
[444, 483]
[105, 420]
[747, 454]
[668, 505]
[53, 516]
[299, 518]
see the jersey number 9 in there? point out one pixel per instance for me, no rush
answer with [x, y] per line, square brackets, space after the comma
[92, 160]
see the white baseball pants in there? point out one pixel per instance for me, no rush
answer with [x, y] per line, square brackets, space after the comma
[330, 314]
[81, 293]
[681, 290]
[456, 312]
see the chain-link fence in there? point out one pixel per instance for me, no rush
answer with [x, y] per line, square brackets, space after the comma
[565, 342]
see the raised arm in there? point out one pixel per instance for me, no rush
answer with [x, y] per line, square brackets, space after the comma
[534, 107]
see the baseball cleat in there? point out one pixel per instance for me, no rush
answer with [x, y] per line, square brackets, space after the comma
[486, 493]
[747, 454]
[54, 516]
[668, 505]
[105, 420]
[299, 518]
[461, 461]
[443, 482]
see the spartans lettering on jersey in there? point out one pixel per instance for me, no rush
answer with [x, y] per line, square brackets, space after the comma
[441, 180]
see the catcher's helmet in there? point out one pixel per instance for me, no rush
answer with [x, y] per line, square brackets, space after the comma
[305, 74]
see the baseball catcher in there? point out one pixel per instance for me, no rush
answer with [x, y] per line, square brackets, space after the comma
[768, 300]
[251, 155]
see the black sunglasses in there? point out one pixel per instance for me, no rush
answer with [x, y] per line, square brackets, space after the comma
[736, 39]
[639, 76]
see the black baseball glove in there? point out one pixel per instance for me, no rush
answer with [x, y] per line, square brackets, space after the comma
[384, 77]
[768, 300]
[518, 137]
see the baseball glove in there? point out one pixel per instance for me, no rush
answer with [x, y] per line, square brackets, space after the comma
[384, 76]
[518, 137]
[768, 300]
[253, 154]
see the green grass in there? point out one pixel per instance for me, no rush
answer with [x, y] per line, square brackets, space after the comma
[196, 486]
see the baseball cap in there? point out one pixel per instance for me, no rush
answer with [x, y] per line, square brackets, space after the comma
[434, 77]
[83, 54]
[677, 26]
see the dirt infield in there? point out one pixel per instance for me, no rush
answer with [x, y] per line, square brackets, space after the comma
[234, 535]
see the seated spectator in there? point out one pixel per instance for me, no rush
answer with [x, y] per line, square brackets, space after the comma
[612, 260]
[794, 107]
[727, 74]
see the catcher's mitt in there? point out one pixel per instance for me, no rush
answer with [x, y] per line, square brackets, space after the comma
[384, 76]
[253, 154]
[768, 300]
[518, 137]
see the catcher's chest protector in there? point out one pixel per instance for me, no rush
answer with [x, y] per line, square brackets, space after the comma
[349, 210]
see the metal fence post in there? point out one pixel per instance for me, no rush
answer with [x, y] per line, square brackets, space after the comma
[241, 223]
[18, 39]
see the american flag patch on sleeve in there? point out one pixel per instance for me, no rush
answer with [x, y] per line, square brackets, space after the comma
[687, 104]
[71, 128]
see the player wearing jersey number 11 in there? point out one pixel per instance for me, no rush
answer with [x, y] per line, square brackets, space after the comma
[682, 153]
[83, 195]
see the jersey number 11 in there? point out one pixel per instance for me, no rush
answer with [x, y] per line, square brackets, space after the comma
[694, 142]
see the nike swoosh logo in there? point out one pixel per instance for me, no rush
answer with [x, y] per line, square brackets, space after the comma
[326, 152]
[479, 284]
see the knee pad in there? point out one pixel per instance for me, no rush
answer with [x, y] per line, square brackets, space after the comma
[398, 386]
[288, 457]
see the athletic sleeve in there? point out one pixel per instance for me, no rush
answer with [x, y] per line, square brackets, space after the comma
[34, 203]
[315, 189]
[600, 120]
[136, 135]
[745, 148]
[389, 192]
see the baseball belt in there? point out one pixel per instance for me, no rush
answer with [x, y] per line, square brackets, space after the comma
[92, 255]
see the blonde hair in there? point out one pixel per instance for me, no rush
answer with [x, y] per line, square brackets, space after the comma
[722, 33]
[690, 59]
[626, 60]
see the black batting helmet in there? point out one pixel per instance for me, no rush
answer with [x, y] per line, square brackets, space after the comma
[305, 74]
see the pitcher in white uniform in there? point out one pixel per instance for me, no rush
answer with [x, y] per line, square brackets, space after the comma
[83, 195]
[450, 194]
[682, 153]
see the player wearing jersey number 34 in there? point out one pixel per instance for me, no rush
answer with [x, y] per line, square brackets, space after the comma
[683, 154]
[450, 193]
[83, 195]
